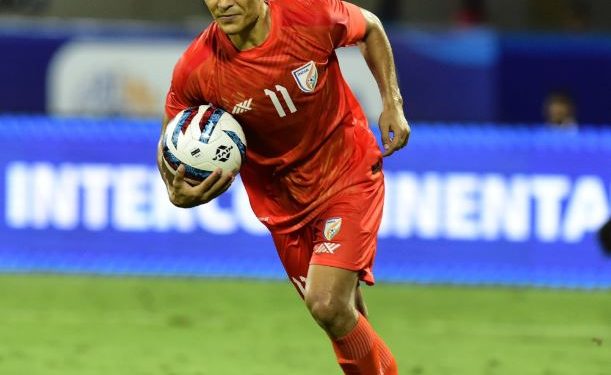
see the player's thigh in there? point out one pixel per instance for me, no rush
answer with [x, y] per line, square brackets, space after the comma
[331, 287]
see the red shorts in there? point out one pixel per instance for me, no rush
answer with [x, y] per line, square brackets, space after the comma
[343, 236]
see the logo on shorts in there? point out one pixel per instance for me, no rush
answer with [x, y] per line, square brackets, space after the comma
[326, 248]
[306, 77]
[332, 227]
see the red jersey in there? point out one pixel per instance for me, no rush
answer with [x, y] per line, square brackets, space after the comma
[307, 136]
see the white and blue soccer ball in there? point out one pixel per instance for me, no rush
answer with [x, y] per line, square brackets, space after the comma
[203, 139]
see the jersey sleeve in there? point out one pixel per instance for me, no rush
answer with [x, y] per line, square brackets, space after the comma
[177, 99]
[185, 90]
[348, 23]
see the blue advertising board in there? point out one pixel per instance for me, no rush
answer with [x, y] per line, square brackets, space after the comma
[448, 75]
[464, 205]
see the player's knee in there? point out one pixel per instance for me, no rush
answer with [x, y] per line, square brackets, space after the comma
[327, 312]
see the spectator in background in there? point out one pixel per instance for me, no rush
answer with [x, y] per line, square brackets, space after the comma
[471, 13]
[389, 10]
[566, 15]
[559, 111]
[23, 6]
[579, 16]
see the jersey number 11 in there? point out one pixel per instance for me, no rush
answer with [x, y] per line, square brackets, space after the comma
[287, 98]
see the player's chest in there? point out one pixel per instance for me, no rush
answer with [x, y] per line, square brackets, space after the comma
[268, 90]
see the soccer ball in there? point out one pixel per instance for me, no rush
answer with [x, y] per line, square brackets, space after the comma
[203, 139]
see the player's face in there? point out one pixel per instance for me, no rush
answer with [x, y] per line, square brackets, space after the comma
[234, 16]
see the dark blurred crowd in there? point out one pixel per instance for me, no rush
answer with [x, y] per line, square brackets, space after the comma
[26, 6]
[471, 12]
[572, 15]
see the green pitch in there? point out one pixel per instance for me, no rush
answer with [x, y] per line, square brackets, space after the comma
[99, 326]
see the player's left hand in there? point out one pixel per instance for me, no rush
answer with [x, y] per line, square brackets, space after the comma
[392, 120]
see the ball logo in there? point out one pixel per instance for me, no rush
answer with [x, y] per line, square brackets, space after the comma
[332, 227]
[306, 77]
[223, 153]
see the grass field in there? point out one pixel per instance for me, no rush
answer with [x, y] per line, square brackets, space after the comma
[91, 325]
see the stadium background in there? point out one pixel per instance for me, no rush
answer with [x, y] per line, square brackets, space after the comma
[488, 256]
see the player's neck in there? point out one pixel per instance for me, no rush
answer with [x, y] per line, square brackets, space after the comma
[256, 34]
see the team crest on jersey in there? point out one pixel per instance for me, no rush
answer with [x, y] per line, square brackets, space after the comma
[306, 77]
[332, 227]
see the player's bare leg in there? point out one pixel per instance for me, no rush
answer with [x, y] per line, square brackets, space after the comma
[331, 296]
[360, 302]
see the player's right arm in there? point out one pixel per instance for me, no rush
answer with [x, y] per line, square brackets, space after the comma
[182, 193]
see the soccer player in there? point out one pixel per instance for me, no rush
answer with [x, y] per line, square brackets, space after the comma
[314, 170]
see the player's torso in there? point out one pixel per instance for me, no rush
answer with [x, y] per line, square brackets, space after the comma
[277, 91]
[274, 98]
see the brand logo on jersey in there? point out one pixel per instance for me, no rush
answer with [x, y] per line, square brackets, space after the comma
[326, 248]
[306, 77]
[332, 227]
[242, 107]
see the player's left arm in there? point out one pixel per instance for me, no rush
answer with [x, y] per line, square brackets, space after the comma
[377, 51]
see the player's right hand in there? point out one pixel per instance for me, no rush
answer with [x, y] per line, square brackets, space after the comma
[184, 194]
